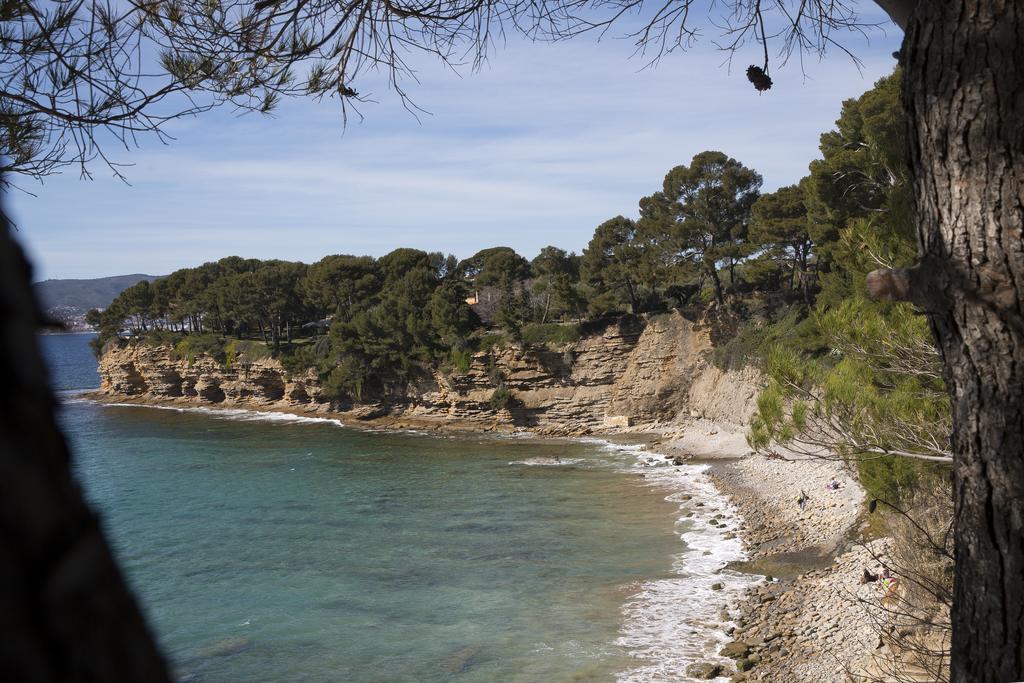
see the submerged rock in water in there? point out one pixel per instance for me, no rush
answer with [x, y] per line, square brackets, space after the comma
[227, 646]
[461, 660]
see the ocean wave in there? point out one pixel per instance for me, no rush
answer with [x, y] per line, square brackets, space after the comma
[547, 462]
[613, 446]
[235, 414]
[671, 623]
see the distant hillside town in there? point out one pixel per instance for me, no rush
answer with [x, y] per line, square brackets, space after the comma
[65, 302]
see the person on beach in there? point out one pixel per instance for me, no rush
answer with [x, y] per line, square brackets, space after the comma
[868, 577]
[833, 485]
[890, 585]
[802, 500]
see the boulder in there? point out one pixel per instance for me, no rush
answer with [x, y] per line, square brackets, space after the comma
[735, 650]
[704, 670]
[744, 664]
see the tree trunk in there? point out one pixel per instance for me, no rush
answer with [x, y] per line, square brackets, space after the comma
[67, 614]
[713, 273]
[964, 93]
[633, 305]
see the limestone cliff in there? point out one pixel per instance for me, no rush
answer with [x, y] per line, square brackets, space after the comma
[628, 373]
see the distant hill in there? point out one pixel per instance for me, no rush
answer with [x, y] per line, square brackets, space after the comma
[81, 295]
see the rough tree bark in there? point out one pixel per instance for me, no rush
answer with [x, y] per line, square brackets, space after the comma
[964, 94]
[66, 614]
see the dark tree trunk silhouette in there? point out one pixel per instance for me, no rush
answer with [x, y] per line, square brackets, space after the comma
[964, 93]
[67, 614]
[710, 269]
[634, 304]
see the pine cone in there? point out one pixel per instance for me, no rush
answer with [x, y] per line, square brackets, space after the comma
[759, 78]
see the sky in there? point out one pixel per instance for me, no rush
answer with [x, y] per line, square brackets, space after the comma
[539, 147]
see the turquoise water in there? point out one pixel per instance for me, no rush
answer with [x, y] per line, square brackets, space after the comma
[269, 549]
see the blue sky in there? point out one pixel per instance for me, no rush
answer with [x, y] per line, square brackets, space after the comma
[538, 148]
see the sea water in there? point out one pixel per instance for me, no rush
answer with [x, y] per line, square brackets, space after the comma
[266, 547]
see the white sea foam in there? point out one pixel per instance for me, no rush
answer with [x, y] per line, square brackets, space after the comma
[671, 623]
[521, 434]
[236, 414]
[613, 446]
[547, 462]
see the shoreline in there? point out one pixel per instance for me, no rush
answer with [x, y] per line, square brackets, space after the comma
[355, 419]
[814, 621]
[805, 552]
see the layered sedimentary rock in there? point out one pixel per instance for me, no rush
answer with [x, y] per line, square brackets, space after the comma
[626, 373]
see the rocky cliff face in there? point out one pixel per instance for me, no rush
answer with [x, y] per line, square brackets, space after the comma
[626, 374]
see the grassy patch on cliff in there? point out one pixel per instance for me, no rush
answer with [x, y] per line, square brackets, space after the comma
[190, 347]
[550, 334]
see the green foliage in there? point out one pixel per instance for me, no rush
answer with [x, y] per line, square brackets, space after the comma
[247, 350]
[453, 320]
[342, 285]
[557, 282]
[230, 356]
[100, 344]
[351, 379]
[494, 374]
[785, 270]
[699, 220]
[780, 227]
[493, 340]
[502, 398]
[495, 267]
[859, 194]
[750, 341]
[553, 334]
[461, 360]
[893, 478]
[296, 360]
[193, 346]
[418, 317]
[162, 338]
[614, 266]
[877, 396]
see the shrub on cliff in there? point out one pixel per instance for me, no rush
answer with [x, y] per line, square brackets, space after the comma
[244, 351]
[550, 333]
[502, 398]
[351, 380]
[298, 359]
[461, 360]
[194, 345]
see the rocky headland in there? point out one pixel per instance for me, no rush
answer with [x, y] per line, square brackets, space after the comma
[623, 376]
